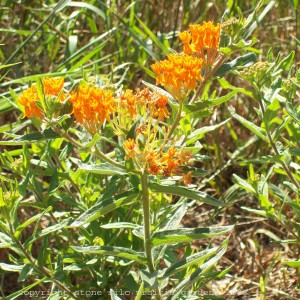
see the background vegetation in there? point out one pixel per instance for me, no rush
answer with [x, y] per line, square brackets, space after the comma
[121, 39]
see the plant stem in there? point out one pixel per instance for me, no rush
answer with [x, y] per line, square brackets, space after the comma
[147, 227]
[206, 77]
[147, 223]
[176, 121]
[66, 136]
[107, 159]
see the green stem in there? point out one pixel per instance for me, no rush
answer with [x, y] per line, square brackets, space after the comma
[208, 76]
[176, 122]
[147, 222]
[66, 136]
[107, 159]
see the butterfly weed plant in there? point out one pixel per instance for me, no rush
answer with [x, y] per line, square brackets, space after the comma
[109, 173]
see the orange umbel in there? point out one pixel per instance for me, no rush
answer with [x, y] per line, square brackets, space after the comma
[178, 74]
[92, 106]
[202, 41]
[52, 87]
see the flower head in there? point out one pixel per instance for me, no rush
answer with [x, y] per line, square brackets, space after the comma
[52, 86]
[130, 148]
[29, 99]
[92, 106]
[178, 74]
[202, 41]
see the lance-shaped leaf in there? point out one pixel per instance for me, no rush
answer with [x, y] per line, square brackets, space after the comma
[194, 259]
[185, 192]
[292, 263]
[249, 125]
[245, 60]
[204, 105]
[200, 133]
[195, 276]
[104, 168]
[104, 207]
[183, 235]
[112, 251]
[46, 231]
[47, 134]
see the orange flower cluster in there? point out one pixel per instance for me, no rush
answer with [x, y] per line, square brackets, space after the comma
[29, 98]
[159, 162]
[53, 86]
[202, 41]
[167, 163]
[141, 103]
[92, 106]
[178, 74]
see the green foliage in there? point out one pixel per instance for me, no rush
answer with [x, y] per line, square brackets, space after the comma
[78, 212]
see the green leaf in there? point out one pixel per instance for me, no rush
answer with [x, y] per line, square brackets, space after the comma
[200, 133]
[195, 276]
[149, 280]
[204, 105]
[284, 64]
[112, 251]
[271, 113]
[119, 225]
[292, 111]
[5, 240]
[244, 184]
[245, 60]
[183, 235]
[292, 263]
[22, 226]
[105, 206]
[85, 5]
[46, 231]
[226, 85]
[249, 125]
[194, 259]
[25, 272]
[26, 288]
[253, 19]
[185, 192]
[47, 134]
[11, 268]
[103, 168]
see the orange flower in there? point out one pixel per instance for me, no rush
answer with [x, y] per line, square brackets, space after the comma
[178, 74]
[92, 106]
[130, 148]
[186, 178]
[202, 41]
[52, 86]
[29, 98]
[128, 102]
[161, 111]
